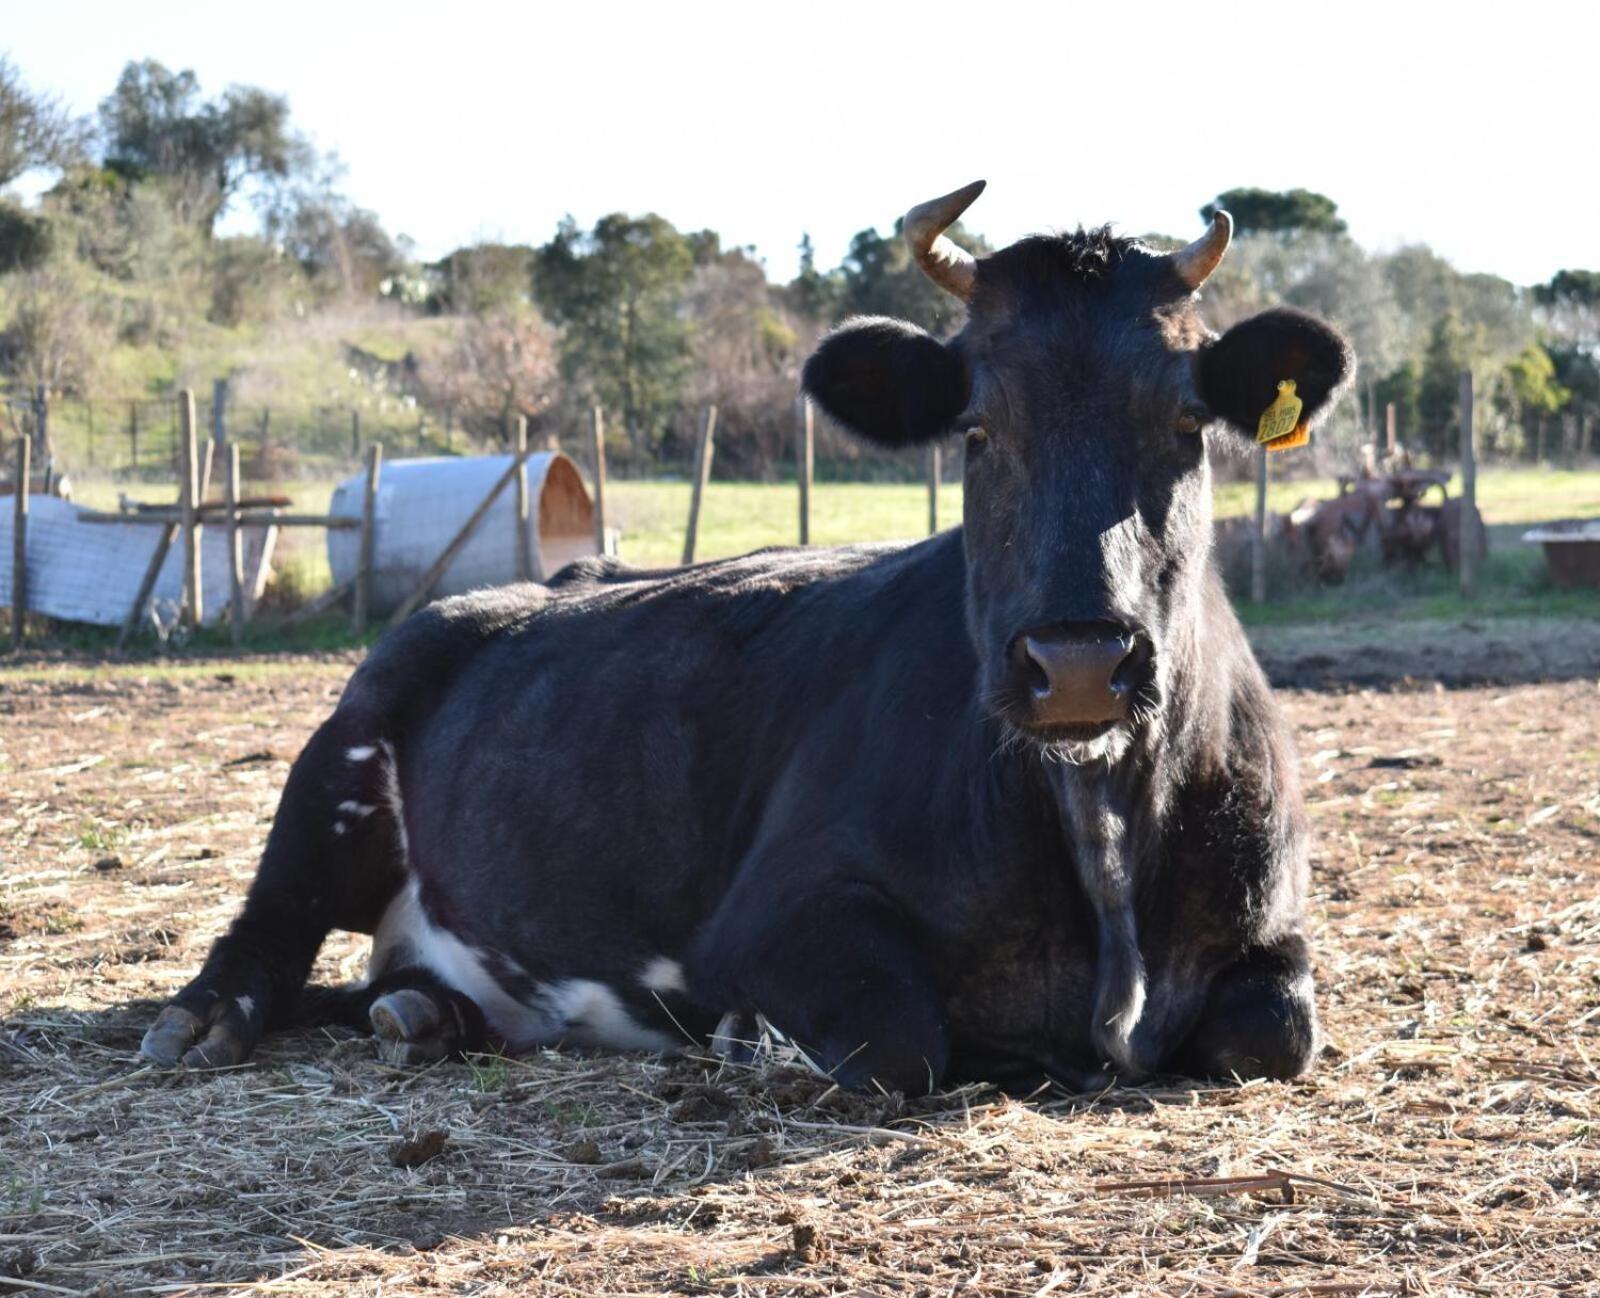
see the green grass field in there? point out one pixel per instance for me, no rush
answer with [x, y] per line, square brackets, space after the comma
[739, 517]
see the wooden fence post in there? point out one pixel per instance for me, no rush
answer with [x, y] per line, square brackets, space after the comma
[193, 610]
[1469, 489]
[1258, 534]
[361, 600]
[702, 475]
[88, 413]
[1388, 428]
[45, 459]
[355, 433]
[519, 447]
[152, 572]
[806, 466]
[19, 545]
[133, 434]
[235, 554]
[934, 467]
[600, 479]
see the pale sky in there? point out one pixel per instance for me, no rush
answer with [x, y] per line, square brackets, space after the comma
[1472, 127]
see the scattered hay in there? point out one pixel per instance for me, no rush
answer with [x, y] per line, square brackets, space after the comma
[1445, 1145]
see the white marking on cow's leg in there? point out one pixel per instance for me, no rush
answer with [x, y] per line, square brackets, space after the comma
[360, 753]
[663, 975]
[358, 809]
[391, 798]
[246, 1004]
[1101, 850]
[340, 827]
[594, 1016]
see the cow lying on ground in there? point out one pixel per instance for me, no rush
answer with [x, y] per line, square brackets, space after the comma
[1012, 803]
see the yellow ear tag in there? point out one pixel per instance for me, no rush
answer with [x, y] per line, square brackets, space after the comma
[1282, 418]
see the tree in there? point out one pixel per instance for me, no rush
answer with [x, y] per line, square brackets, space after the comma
[157, 128]
[616, 291]
[503, 363]
[483, 277]
[1571, 302]
[811, 295]
[34, 129]
[1438, 394]
[1270, 211]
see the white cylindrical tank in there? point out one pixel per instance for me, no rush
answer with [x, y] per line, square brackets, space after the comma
[422, 504]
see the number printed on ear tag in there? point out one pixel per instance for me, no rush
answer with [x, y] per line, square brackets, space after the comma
[1282, 418]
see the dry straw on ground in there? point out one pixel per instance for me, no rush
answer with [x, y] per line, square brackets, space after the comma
[1446, 1143]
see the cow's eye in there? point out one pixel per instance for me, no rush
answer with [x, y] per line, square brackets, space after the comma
[977, 438]
[1191, 422]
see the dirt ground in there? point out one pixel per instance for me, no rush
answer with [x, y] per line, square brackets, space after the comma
[1446, 1143]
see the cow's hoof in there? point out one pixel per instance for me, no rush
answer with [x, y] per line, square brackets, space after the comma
[179, 1036]
[413, 1028]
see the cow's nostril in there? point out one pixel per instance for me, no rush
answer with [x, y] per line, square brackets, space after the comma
[1130, 671]
[1038, 677]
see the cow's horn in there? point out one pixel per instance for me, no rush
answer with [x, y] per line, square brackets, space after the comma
[951, 268]
[1195, 263]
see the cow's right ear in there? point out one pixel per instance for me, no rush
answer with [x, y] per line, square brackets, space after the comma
[887, 381]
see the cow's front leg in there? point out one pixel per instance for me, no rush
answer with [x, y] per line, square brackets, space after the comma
[1259, 1018]
[839, 973]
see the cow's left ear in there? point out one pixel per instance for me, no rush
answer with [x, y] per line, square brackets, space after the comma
[1239, 373]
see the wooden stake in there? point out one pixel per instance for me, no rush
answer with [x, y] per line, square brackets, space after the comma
[456, 542]
[806, 465]
[355, 433]
[361, 600]
[934, 467]
[1469, 489]
[193, 612]
[236, 611]
[147, 583]
[133, 435]
[519, 446]
[1258, 534]
[703, 454]
[1388, 427]
[19, 544]
[600, 479]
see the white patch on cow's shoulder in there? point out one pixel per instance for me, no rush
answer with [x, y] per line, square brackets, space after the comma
[360, 809]
[663, 975]
[246, 1004]
[573, 1009]
[360, 753]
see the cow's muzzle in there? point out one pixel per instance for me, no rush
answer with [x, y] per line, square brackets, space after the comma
[1078, 678]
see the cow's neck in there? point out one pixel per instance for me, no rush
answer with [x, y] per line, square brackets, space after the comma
[1112, 813]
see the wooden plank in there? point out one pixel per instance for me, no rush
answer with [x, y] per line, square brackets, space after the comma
[519, 445]
[935, 469]
[600, 479]
[361, 601]
[456, 542]
[1388, 427]
[152, 571]
[805, 468]
[23, 484]
[703, 453]
[236, 610]
[248, 517]
[188, 494]
[1258, 533]
[1469, 490]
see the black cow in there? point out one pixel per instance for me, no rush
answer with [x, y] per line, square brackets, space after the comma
[1011, 803]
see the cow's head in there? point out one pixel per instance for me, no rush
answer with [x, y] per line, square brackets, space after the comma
[1089, 391]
